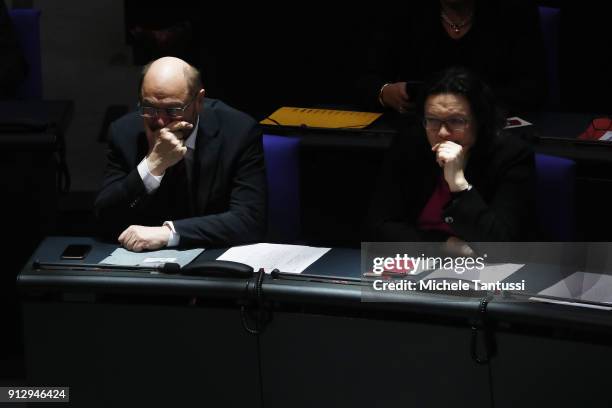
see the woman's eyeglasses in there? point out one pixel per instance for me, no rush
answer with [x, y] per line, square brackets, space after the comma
[452, 124]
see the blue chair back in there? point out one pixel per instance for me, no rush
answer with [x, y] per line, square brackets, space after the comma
[27, 30]
[549, 20]
[555, 198]
[283, 174]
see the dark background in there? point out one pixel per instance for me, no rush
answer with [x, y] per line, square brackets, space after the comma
[261, 58]
[256, 58]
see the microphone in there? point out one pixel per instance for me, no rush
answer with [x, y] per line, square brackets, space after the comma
[220, 269]
[162, 267]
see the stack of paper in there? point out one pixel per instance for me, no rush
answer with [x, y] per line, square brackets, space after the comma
[587, 286]
[320, 118]
[285, 258]
[121, 256]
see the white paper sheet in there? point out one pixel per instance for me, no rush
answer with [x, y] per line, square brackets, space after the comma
[515, 122]
[606, 136]
[567, 303]
[285, 258]
[592, 287]
[489, 274]
[121, 256]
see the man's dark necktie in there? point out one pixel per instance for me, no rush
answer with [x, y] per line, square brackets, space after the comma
[180, 190]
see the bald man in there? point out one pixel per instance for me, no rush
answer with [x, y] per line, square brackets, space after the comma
[184, 169]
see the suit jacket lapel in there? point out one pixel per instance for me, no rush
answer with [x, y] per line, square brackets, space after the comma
[205, 159]
[141, 148]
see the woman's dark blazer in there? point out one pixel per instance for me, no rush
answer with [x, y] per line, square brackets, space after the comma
[499, 207]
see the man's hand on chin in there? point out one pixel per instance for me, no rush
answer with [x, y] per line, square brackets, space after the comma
[138, 238]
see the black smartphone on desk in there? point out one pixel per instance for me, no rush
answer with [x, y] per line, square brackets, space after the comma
[76, 251]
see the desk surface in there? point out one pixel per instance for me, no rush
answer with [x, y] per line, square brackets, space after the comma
[100, 334]
[303, 290]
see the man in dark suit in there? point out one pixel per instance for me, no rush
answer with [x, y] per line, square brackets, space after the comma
[183, 169]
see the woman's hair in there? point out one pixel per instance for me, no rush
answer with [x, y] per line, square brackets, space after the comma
[485, 111]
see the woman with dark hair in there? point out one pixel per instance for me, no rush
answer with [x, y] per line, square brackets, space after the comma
[463, 179]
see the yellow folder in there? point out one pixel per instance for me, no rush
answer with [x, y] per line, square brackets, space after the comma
[320, 118]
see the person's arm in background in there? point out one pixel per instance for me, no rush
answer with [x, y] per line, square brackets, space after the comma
[377, 87]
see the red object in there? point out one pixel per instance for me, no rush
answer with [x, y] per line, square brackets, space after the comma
[597, 128]
[513, 122]
[431, 215]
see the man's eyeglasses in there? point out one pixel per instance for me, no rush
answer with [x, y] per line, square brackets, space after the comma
[452, 124]
[152, 112]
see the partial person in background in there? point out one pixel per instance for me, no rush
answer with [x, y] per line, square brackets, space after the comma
[499, 40]
[13, 67]
[154, 30]
[184, 169]
[461, 178]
